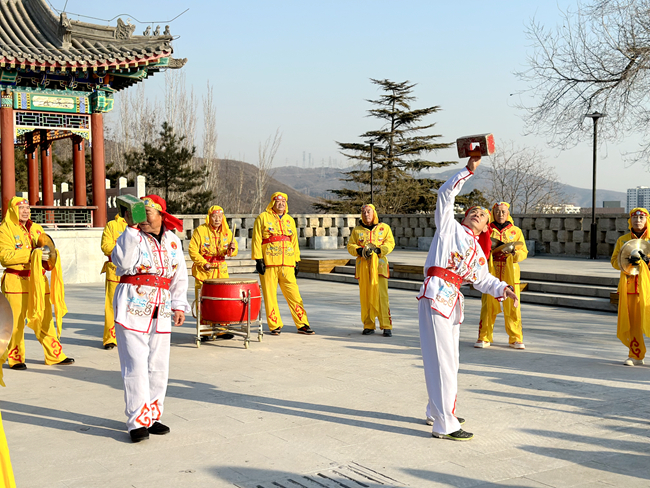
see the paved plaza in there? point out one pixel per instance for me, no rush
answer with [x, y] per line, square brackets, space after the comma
[337, 406]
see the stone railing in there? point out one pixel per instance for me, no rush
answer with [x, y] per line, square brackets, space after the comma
[556, 234]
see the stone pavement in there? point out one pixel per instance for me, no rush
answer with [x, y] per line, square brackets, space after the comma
[562, 413]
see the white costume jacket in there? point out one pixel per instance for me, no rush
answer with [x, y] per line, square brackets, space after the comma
[137, 252]
[455, 247]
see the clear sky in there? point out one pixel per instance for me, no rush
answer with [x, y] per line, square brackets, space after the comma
[304, 66]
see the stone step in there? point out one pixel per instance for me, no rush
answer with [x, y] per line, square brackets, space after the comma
[560, 294]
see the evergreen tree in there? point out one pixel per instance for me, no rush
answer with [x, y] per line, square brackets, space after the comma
[166, 166]
[400, 147]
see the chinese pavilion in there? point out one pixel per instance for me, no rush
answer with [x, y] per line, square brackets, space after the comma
[57, 79]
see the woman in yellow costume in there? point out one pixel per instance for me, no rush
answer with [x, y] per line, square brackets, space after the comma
[276, 254]
[26, 287]
[373, 272]
[211, 243]
[634, 293]
[112, 231]
[505, 267]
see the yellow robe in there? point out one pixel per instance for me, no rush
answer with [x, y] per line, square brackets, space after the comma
[208, 244]
[112, 231]
[373, 274]
[16, 244]
[280, 258]
[633, 303]
[506, 270]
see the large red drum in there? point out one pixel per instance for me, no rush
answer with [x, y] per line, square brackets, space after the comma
[223, 300]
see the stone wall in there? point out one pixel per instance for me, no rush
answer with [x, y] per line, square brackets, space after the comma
[555, 234]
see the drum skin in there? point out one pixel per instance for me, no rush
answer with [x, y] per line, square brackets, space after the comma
[233, 309]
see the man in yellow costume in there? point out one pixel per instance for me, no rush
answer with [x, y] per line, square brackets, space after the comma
[504, 266]
[112, 231]
[634, 292]
[276, 255]
[211, 243]
[26, 287]
[373, 272]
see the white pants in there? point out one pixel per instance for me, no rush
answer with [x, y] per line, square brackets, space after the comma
[439, 339]
[144, 361]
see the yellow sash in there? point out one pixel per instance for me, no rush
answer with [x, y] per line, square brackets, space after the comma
[623, 325]
[369, 280]
[36, 300]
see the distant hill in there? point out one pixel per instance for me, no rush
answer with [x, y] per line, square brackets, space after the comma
[317, 181]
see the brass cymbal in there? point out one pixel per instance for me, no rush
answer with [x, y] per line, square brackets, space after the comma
[368, 250]
[46, 241]
[6, 323]
[496, 243]
[508, 247]
[634, 247]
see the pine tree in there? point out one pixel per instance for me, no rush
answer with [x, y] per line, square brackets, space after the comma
[400, 147]
[166, 166]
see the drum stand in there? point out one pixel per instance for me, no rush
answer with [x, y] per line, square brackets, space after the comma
[240, 329]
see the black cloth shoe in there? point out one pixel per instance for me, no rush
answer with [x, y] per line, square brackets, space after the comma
[306, 330]
[110, 345]
[388, 333]
[368, 331]
[158, 429]
[141, 434]
[225, 337]
[19, 366]
[459, 435]
[66, 361]
[276, 331]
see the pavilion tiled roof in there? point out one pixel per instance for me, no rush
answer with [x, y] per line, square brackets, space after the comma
[32, 36]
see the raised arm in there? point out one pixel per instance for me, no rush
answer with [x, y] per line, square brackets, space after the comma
[126, 253]
[444, 216]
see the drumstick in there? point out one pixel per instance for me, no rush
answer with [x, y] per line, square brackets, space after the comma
[234, 228]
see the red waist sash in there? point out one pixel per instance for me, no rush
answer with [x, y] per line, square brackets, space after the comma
[276, 239]
[214, 259]
[147, 280]
[445, 274]
[20, 272]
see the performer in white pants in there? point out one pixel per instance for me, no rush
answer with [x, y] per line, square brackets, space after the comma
[153, 289]
[456, 256]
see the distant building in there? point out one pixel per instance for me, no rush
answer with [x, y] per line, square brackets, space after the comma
[638, 197]
[562, 208]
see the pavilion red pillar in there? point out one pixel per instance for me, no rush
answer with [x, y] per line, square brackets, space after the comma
[99, 169]
[79, 170]
[46, 173]
[8, 181]
[32, 174]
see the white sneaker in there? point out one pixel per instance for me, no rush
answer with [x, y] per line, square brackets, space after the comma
[481, 344]
[518, 345]
[633, 362]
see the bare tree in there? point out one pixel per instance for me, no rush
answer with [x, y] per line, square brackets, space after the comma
[596, 59]
[522, 177]
[180, 106]
[210, 159]
[266, 153]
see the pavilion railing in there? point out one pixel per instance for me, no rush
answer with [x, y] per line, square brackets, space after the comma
[63, 217]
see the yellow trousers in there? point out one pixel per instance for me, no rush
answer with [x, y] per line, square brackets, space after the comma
[45, 332]
[109, 315]
[637, 344]
[286, 278]
[511, 314]
[367, 315]
[6, 472]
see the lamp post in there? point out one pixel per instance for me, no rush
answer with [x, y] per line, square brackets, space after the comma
[593, 247]
[372, 174]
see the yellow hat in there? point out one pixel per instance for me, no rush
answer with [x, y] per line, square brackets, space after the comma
[495, 206]
[375, 219]
[637, 211]
[223, 229]
[278, 196]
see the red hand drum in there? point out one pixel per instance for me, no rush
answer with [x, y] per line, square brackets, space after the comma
[224, 300]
